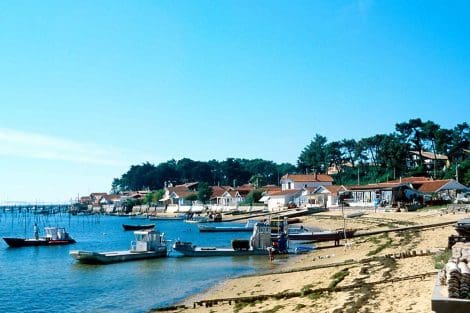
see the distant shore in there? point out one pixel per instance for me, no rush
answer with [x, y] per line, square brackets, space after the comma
[356, 278]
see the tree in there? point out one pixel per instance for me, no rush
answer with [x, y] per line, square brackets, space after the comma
[204, 192]
[313, 157]
[253, 196]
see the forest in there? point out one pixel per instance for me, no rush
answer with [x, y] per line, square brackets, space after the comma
[374, 159]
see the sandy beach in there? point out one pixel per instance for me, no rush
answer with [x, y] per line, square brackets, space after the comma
[390, 272]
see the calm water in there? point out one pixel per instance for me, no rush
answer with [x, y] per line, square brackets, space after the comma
[38, 279]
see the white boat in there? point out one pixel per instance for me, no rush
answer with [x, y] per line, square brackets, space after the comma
[148, 244]
[250, 224]
[197, 219]
[258, 244]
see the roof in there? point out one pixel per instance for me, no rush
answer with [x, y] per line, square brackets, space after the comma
[439, 185]
[334, 189]
[284, 193]
[431, 155]
[412, 179]
[181, 191]
[217, 191]
[308, 177]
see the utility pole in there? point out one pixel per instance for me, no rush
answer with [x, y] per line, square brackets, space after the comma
[457, 172]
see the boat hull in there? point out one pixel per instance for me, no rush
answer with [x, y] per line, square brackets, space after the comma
[206, 228]
[22, 242]
[137, 227]
[192, 251]
[89, 257]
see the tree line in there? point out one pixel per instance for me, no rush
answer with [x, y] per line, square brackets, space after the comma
[231, 172]
[373, 159]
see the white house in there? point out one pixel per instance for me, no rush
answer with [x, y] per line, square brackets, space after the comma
[278, 199]
[322, 196]
[301, 181]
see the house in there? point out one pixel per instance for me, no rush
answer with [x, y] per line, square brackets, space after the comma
[179, 193]
[445, 189]
[276, 200]
[229, 196]
[301, 181]
[432, 161]
[322, 196]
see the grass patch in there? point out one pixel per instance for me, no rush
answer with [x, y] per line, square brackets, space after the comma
[240, 305]
[441, 258]
[315, 295]
[275, 309]
[306, 290]
[382, 246]
[338, 277]
[299, 306]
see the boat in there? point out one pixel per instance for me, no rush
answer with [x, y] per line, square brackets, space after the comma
[197, 219]
[326, 235]
[54, 236]
[137, 227]
[248, 227]
[168, 217]
[355, 214]
[260, 243]
[463, 227]
[148, 244]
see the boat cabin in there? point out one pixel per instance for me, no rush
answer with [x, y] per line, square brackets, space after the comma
[56, 233]
[147, 240]
[261, 237]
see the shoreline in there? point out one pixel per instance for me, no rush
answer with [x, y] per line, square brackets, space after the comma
[359, 277]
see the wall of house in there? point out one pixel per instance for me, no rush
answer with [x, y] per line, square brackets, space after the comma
[290, 184]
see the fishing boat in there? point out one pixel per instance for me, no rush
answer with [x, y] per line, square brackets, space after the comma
[54, 236]
[137, 227]
[326, 235]
[248, 227]
[148, 244]
[258, 244]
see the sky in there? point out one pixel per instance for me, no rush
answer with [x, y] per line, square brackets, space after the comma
[89, 88]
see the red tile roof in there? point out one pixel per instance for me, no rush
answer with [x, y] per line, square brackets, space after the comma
[433, 186]
[308, 177]
[284, 192]
[412, 179]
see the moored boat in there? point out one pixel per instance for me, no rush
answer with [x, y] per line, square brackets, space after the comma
[137, 227]
[248, 227]
[148, 244]
[54, 236]
[258, 244]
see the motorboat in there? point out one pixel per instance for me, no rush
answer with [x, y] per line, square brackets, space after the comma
[260, 243]
[148, 244]
[54, 236]
[137, 227]
[248, 227]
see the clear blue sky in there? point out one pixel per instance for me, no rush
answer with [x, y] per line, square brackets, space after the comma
[88, 88]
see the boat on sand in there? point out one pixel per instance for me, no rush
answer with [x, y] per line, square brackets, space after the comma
[54, 236]
[148, 244]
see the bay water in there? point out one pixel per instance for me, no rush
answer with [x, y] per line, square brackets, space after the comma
[47, 279]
